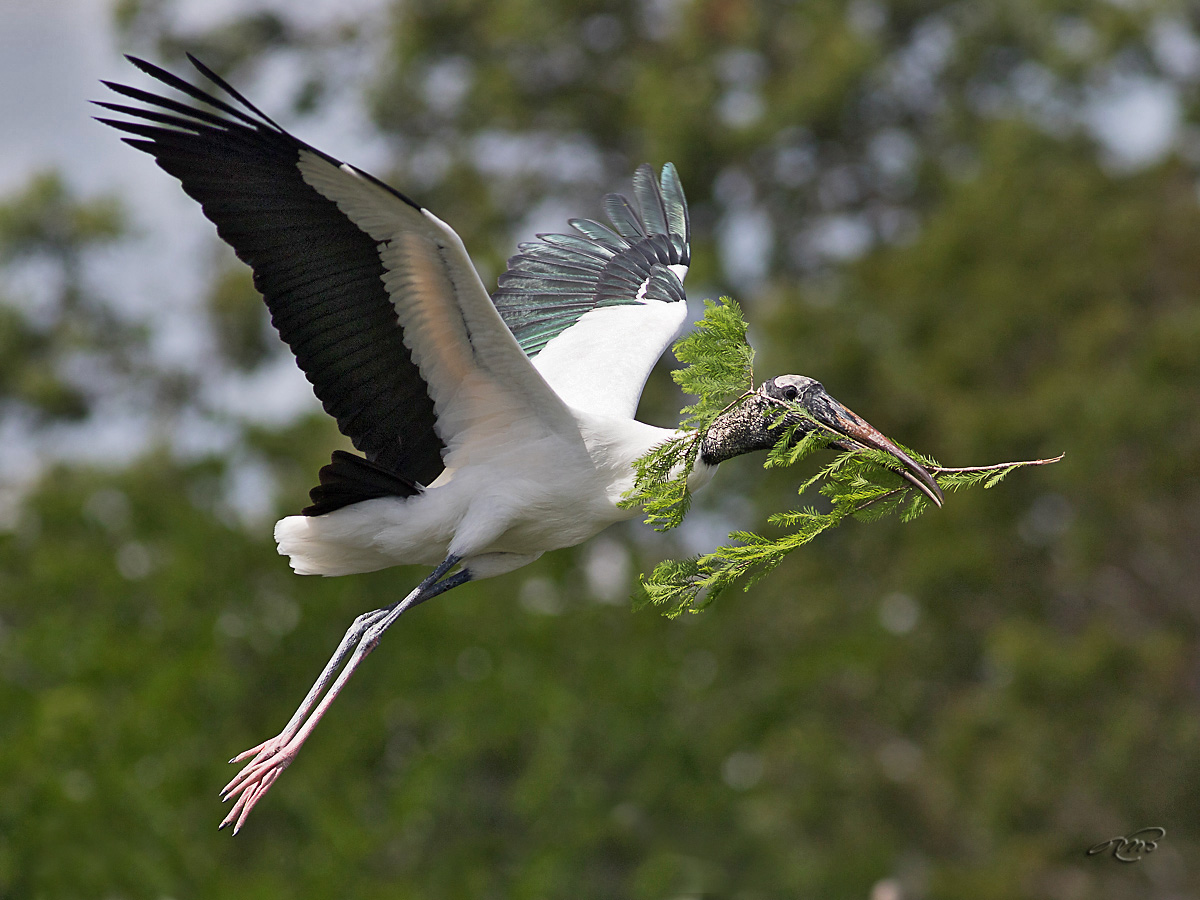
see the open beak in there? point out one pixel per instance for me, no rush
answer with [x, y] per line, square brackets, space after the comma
[861, 432]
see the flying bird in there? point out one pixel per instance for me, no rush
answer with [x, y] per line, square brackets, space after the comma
[490, 429]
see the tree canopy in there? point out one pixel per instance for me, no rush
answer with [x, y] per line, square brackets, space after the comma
[914, 203]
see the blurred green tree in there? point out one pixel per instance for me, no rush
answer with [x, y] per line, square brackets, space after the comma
[47, 337]
[911, 203]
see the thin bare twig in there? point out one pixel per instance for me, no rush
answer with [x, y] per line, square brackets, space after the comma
[962, 470]
[938, 470]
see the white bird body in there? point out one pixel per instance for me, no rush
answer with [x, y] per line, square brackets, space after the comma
[493, 526]
[492, 428]
[538, 453]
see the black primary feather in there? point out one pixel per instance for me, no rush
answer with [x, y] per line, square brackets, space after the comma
[320, 275]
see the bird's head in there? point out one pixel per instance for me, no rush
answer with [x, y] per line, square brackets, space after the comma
[762, 417]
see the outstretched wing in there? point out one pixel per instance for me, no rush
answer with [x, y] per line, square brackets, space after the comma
[376, 297]
[596, 309]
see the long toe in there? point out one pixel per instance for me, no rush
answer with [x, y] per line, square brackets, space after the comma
[263, 748]
[254, 780]
[249, 798]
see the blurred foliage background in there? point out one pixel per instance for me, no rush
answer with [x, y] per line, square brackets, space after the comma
[914, 204]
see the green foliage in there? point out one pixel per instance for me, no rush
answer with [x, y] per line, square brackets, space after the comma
[862, 484]
[858, 485]
[718, 363]
[660, 481]
[718, 369]
[47, 338]
[46, 218]
[953, 710]
[239, 318]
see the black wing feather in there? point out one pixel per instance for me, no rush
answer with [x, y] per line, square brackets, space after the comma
[320, 275]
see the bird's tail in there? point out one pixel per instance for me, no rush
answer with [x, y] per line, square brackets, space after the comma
[312, 551]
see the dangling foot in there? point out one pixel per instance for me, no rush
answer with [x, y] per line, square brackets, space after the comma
[270, 758]
[252, 783]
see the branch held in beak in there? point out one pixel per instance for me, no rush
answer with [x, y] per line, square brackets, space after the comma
[846, 422]
[812, 396]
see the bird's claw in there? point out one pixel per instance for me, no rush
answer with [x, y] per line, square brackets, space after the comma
[269, 760]
[253, 751]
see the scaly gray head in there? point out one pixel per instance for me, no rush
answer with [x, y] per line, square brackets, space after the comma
[761, 419]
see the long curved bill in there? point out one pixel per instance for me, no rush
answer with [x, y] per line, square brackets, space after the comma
[862, 432]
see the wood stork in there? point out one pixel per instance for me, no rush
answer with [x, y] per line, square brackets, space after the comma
[492, 428]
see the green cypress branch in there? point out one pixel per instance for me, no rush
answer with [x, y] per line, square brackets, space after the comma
[860, 484]
[718, 362]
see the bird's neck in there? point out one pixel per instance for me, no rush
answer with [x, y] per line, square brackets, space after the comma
[615, 445]
[740, 429]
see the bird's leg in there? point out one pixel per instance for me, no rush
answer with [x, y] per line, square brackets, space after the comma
[271, 757]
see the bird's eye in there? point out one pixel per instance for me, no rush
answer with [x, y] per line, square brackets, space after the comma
[791, 392]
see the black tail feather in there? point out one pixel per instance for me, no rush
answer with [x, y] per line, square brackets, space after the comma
[350, 479]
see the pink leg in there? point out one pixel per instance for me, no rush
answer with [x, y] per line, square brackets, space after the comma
[271, 757]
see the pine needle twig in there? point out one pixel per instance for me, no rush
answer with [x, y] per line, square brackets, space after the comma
[861, 483]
